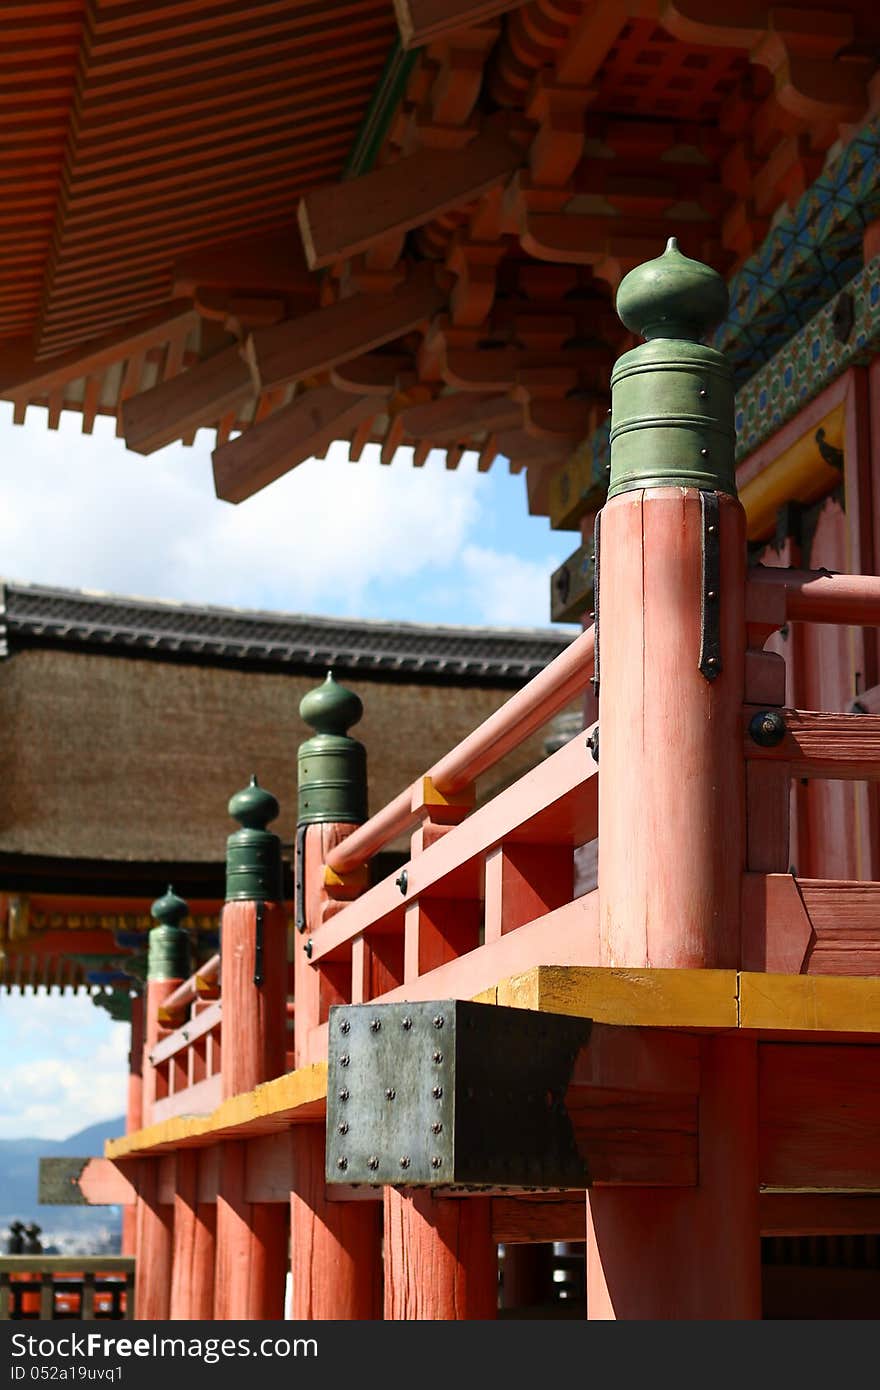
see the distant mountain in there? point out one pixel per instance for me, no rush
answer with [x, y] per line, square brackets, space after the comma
[19, 1174]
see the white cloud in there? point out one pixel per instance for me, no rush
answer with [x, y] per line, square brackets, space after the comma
[65, 1065]
[511, 590]
[83, 511]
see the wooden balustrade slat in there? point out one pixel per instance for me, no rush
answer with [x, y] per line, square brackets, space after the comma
[183, 1037]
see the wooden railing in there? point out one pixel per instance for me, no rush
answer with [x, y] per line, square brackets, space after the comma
[84, 1287]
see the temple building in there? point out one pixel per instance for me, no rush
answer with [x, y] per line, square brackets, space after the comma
[630, 250]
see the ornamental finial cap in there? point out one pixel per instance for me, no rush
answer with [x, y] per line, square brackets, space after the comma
[169, 910]
[672, 296]
[331, 708]
[254, 807]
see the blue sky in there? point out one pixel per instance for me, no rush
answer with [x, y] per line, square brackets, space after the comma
[332, 537]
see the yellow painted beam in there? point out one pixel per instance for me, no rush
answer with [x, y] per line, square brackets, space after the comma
[800, 474]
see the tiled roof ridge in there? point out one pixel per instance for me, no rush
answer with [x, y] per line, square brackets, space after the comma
[86, 617]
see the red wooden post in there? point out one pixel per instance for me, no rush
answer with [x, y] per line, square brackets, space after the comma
[335, 1247]
[251, 1264]
[441, 1262]
[195, 1221]
[251, 1239]
[671, 663]
[134, 1110]
[253, 947]
[336, 1263]
[167, 967]
[152, 1289]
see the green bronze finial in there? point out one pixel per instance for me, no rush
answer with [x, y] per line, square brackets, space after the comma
[672, 397]
[332, 767]
[253, 853]
[168, 943]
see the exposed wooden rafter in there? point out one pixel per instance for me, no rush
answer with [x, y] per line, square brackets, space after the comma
[317, 341]
[298, 431]
[421, 21]
[347, 217]
[197, 397]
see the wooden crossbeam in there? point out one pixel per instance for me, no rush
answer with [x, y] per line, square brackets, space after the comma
[317, 341]
[845, 746]
[347, 217]
[449, 418]
[298, 431]
[21, 375]
[197, 397]
[421, 21]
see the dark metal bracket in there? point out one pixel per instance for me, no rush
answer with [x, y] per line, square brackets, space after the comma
[258, 945]
[597, 540]
[299, 878]
[710, 589]
[452, 1094]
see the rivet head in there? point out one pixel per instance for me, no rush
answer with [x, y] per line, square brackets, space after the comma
[437, 1056]
[437, 1092]
[436, 1162]
[342, 1163]
[436, 1127]
[342, 1128]
[373, 1162]
[406, 1024]
[344, 1093]
[703, 393]
[704, 453]
[404, 1162]
[767, 728]
[438, 1021]
[345, 1026]
[711, 660]
[390, 1093]
[711, 530]
[344, 1060]
[711, 594]
[375, 1025]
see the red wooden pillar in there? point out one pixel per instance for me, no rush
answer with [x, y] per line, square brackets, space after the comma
[134, 1110]
[688, 1253]
[441, 1263]
[251, 1261]
[671, 665]
[335, 1246]
[195, 1224]
[168, 961]
[251, 1237]
[152, 1287]
[336, 1260]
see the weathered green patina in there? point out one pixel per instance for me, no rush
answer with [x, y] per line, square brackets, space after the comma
[168, 951]
[672, 397]
[332, 767]
[253, 853]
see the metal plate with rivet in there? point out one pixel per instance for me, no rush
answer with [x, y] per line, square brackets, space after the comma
[451, 1094]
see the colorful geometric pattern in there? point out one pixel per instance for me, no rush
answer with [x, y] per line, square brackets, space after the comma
[807, 257]
[809, 361]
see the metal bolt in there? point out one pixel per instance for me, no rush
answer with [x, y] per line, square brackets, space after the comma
[375, 1025]
[344, 1060]
[437, 1056]
[404, 1162]
[185, 1034]
[308, 948]
[345, 1026]
[407, 1024]
[342, 1163]
[402, 880]
[436, 1162]
[390, 1093]
[438, 1021]
[344, 1093]
[373, 1162]
[767, 728]
[437, 1092]
[710, 530]
[436, 1127]
[711, 661]
[593, 744]
[711, 594]
[343, 1128]
[704, 453]
[703, 393]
